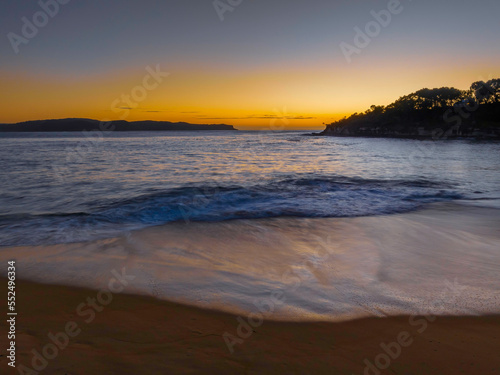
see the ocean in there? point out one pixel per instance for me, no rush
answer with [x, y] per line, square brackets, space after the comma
[341, 227]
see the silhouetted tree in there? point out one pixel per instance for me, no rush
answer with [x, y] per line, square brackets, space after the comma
[429, 109]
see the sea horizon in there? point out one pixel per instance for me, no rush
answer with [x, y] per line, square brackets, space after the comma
[241, 187]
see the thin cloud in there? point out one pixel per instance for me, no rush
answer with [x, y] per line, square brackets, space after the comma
[260, 117]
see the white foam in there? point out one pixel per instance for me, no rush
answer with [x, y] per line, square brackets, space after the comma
[445, 260]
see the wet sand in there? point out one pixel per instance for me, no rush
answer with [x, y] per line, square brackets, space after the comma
[442, 260]
[142, 335]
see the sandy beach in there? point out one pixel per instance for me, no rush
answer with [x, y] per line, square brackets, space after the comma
[142, 335]
[250, 187]
[442, 260]
[401, 294]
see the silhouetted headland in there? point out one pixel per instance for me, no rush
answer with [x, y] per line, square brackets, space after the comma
[443, 113]
[81, 124]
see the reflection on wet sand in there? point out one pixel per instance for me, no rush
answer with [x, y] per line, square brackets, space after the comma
[442, 260]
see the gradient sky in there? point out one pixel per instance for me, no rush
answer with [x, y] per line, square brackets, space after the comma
[269, 63]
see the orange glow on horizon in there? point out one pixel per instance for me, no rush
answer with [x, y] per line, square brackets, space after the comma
[267, 98]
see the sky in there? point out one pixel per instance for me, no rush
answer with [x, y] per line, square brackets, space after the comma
[276, 64]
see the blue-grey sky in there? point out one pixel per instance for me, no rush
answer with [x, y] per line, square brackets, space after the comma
[289, 49]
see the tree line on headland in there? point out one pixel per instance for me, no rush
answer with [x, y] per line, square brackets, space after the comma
[439, 113]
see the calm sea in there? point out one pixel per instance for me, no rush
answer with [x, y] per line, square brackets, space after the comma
[67, 187]
[341, 227]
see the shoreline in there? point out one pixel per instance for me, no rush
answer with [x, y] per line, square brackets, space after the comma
[409, 136]
[307, 269]
[86, 125]
[120, 330]
[143, 335]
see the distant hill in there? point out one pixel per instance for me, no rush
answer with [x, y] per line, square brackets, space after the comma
[82, 124]
[439, 113]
